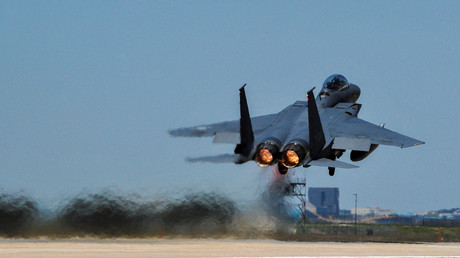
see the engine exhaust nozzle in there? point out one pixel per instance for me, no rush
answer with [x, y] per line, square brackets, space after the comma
[293, 155]
[267, 154]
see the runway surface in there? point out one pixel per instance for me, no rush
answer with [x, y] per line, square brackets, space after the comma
[213, 248]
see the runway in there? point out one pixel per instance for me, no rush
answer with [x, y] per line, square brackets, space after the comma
[213, 248]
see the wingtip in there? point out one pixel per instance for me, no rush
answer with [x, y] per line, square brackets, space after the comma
[413, 145]
[177, 132]
[172, 132]
[190, 160]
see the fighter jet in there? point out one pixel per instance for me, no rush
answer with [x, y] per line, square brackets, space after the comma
[308, 133]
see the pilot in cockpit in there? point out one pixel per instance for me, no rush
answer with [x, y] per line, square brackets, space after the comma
[333, 83]
[336, 82]
[336, 88]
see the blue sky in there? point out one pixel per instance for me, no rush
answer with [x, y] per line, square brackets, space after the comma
[88, 90]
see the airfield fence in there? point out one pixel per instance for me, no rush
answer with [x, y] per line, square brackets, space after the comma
[350, 229]
[376, 232]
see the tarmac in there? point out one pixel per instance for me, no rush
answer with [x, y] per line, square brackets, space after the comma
[214, 248]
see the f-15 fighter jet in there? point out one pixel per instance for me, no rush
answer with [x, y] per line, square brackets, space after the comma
[308, 133]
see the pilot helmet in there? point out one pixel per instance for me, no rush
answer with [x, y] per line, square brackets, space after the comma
[335, 82]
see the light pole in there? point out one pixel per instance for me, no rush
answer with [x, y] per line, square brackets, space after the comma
[356, 213]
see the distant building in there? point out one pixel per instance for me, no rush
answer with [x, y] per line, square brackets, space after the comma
[326, 200]
[345, 213]
[372, 212]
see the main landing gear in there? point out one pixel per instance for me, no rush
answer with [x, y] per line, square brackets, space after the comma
[331, 171]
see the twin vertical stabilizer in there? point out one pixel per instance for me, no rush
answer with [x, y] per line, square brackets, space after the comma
[246, 133]
[317, 140]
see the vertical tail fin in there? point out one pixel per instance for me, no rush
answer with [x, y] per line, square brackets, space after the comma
[317, 140]
[246, 133]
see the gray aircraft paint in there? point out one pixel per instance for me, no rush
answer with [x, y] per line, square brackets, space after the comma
[338, 122]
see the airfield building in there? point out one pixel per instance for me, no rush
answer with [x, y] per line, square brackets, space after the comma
[326, 200]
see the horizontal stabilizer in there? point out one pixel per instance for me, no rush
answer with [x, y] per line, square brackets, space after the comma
[330, 163]
[223, 158]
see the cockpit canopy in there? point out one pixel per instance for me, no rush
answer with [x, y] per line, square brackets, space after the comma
[335, 82]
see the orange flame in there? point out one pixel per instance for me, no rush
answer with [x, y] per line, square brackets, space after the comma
[265, 156]
[290, 158]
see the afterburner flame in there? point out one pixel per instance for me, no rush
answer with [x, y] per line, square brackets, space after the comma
[290, 158]
[265, 156]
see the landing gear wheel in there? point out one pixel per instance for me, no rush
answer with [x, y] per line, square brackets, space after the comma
[331, 171]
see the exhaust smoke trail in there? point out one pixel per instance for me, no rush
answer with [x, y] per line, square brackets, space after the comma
[104, 214]
[274, 197]
[269, 216]
[112, 215]
[197, 214]
[16, 214]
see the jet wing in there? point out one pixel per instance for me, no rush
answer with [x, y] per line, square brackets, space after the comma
[225, 132]
[357, 134]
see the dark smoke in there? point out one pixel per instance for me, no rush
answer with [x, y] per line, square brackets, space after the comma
[105, 214]
[109, 214]
[199, 214]
[17, 213]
